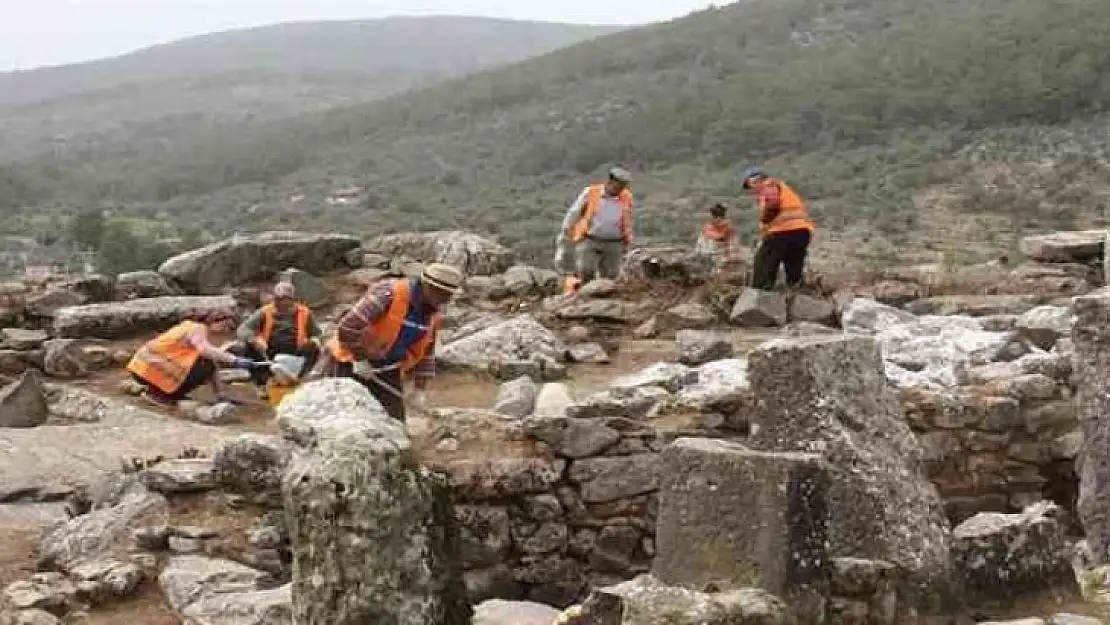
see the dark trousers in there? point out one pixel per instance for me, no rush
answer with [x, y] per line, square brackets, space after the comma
[393, 404]
[201, 373]
[787, 249]
[262, 375]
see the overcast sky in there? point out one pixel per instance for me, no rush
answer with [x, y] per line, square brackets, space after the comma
[52, 32]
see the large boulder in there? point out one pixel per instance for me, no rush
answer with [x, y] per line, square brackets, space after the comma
[828, 394]
[373, 533]
[681, 265]
[500, 612]
[1064, 247]
[1001, 556]
[138, 317]
[647, 601]
[1091, 336]
[242, 260]
[518, 339]
[759, 309]
[473, 254]
[222, 592]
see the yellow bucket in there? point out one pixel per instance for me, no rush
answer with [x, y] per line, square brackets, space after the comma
[276, 392]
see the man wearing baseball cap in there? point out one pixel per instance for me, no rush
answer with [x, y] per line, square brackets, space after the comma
[391, 333]
[283, 326]
[600, 226]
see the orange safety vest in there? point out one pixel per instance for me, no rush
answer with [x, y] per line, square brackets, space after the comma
[793, 214]
[719, 230]
[266, 329]
[571, 284]
[165, 361]
[378, 339]
[594, 195]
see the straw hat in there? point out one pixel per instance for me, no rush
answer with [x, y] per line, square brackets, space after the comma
[443, 277]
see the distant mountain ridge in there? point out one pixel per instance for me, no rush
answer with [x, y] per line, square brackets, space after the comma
[267, 72]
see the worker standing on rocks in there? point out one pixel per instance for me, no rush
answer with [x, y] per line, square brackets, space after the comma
[600, 225]
[175, 363]
[785, 230]
[391, 333]
[283, 326]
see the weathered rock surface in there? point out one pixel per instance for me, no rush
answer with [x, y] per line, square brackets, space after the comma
[139, 317]
[241, 260]
[734, 515]
[828, 395]
[759, 309]
[572, 438]
[47, 303]
[516, 398]
[647, 601]
[1044, 325]
[221, 592]
[20, 339]
[181, 475]
[689, 316]
[553, 400]
[499, 612]
[93, 535]
[722, 386]
[137, 284]
[697, 347]
[927, 351]
[23, 403]
[1064, 247]
[680, 265]
[65, 358]
[473, 254]
[70, 404]
[519, 339]
[1091, 336]
[1001, 556]
[632, 403]
[579, 308]
[373, 534]
[670, 376]
[253, 465]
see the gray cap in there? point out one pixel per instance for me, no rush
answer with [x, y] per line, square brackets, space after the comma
[620, 174]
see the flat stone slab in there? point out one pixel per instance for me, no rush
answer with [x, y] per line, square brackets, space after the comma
[137, 317]
[1064, 247]
[73, 454]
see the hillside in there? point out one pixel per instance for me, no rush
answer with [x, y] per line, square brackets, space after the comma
[268, 72]
[921, 129]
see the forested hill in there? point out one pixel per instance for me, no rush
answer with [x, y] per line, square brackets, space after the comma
[918, 128]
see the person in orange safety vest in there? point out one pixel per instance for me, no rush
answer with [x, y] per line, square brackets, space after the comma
[718, 236]
[599, 223]
[785, 230]
[283, 326]
[175, 363]
[391, 333]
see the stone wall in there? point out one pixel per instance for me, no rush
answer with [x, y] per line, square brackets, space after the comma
[1002, 444]
[583, 514]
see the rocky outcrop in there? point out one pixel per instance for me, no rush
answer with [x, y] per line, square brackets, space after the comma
[139, 317]
[1002, 556]
[473, 254]
[357, 486]
[242, 260]
[828, 395]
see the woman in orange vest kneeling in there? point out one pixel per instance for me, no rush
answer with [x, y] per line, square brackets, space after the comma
[181, 359]
[391, 333]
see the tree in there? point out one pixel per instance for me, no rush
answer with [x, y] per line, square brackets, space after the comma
[86, 230]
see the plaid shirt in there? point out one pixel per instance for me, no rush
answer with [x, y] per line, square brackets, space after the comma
[373, 305]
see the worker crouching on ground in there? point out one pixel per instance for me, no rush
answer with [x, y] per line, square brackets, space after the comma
[391, 333]
[283, 326]
[718, 236]
[175, 363]
[600, 225]
[785, 230]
